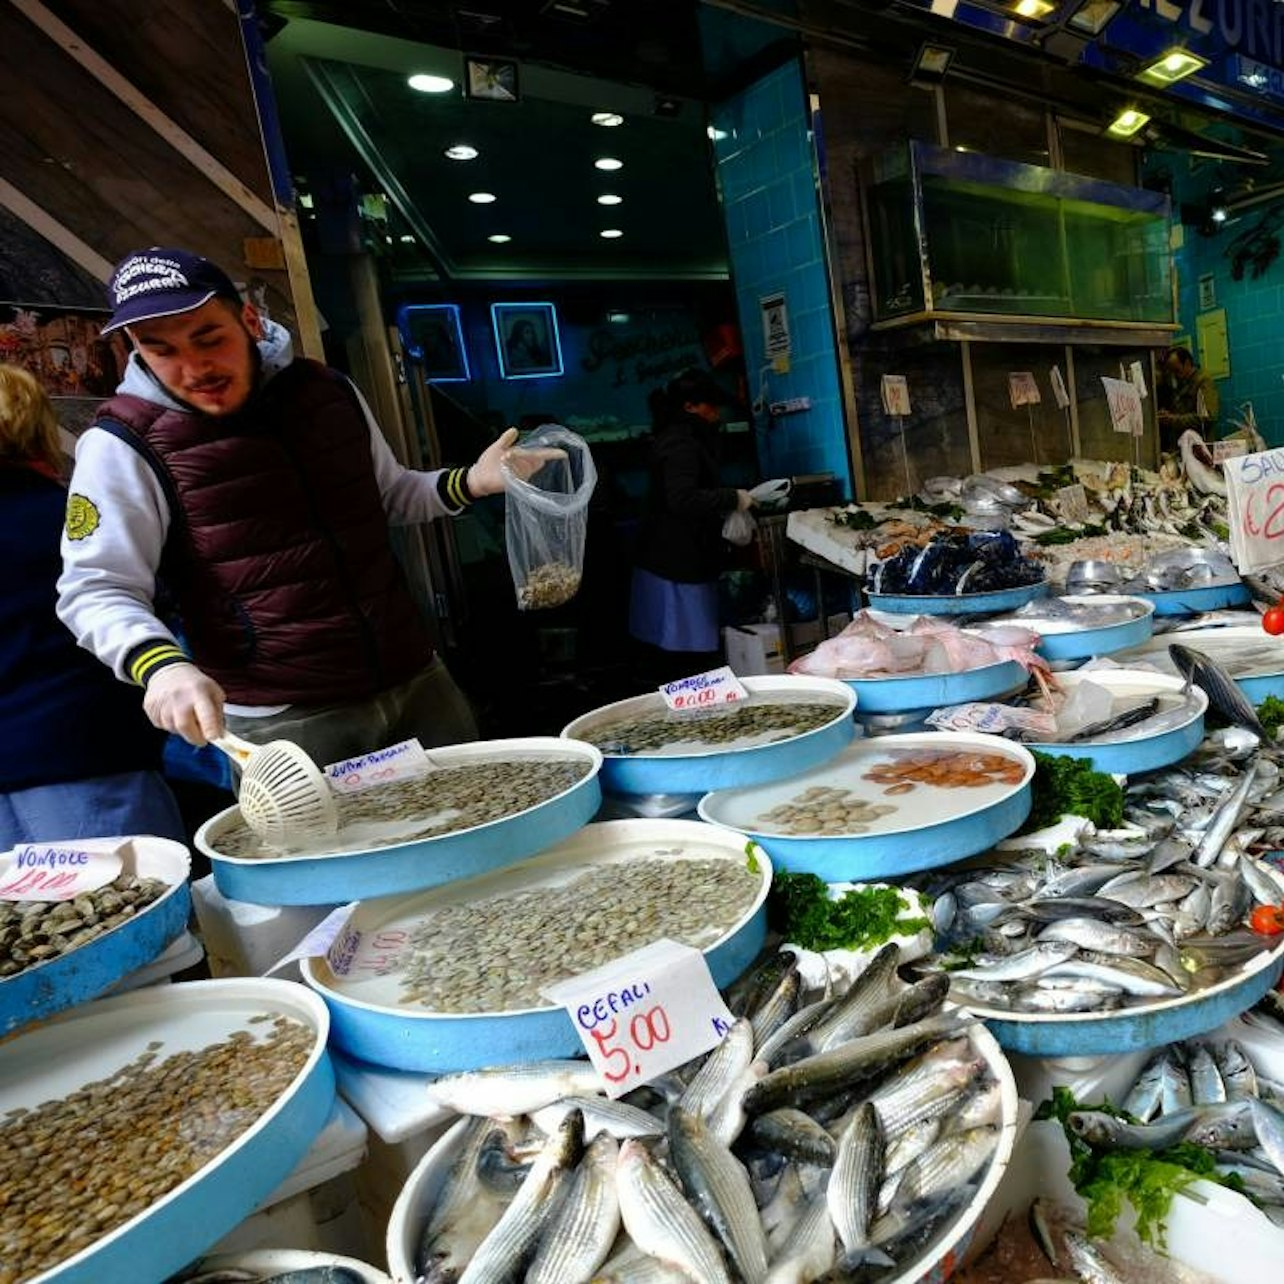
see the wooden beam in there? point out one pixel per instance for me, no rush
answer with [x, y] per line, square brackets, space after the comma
[142, 106]
[39, 220]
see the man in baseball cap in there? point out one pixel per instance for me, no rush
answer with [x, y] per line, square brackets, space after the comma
[258, 488]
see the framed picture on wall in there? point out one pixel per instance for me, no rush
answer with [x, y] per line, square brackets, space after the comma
[526, 340]
[434, 339]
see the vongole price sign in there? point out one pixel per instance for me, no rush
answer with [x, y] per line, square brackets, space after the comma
[1255, 498]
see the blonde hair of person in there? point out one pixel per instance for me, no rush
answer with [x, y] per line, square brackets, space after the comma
[28, 424]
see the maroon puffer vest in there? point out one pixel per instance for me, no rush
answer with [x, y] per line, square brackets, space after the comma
[278, 554]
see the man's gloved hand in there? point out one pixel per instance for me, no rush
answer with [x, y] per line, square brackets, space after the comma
[486, 477]
[182, 699]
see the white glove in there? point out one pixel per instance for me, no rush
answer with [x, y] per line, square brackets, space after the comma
[486, 476]
[182, 699]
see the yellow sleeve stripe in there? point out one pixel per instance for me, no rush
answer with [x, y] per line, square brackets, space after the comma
[149, 659]
[455, 487]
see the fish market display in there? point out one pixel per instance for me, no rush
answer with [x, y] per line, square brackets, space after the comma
[825, 1137]
[1108, 711]
[1241, 651]
[73, 1169]
[1181, 569]
[1154, 910]
[825, 810]
[868, 648]
[1047, 615]
[956, 563]
[442, 801]
[753, 721]
[495, 955]
[34, 932]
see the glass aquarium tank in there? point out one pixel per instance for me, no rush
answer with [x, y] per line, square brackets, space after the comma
[963, 234]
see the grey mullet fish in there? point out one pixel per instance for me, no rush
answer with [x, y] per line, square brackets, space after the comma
[579, 1237]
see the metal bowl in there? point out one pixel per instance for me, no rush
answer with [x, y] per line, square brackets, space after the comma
[1093, 574]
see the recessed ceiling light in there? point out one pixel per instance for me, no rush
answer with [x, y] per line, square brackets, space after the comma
[482, 198]
[499, 238]
[1127, 123]
[716, 134]
[407, 239]
[608, 162]
[1173, 66]
[607, 119]
[1093, 15]
[617, 318]
[431, 84]
[610, 198]
[1033, 8]
[611, 233]
[462, 151]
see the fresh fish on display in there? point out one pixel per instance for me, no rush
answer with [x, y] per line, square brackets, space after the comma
[852, 1164]
[1218, 685]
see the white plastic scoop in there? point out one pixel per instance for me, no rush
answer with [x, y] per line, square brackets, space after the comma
[283, 797]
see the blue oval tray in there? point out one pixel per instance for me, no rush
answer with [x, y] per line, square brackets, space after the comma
[935, 690]
[861, 857]
[1255, 686]
[1148, 1025]
[957, 603]
[407, 1038]
[72, 978]
[334, 878]
[1132, 757]
[91, 1042]
[697, 773]
[1083, 644]
[1196, 600]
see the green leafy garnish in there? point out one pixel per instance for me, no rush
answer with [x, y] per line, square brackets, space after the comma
[801, 910]
[1071, 787]
[859, 520]
[751, 857]
[1067, 535]
[1106, 1177]
[1271, 713]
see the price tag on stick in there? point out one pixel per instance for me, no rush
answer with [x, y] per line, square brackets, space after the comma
[402, 761]
[704, 690]
[645, 1013]
[57, 871]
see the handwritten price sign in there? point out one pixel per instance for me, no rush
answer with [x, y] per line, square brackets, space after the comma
[359, 954]
[704, 690]
[645, 1013]
[402, 761]
[1255, 500]
[57, 872]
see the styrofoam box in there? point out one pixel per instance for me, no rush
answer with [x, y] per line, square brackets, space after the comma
[1200, 1228]
[241, 939]
[754, 649]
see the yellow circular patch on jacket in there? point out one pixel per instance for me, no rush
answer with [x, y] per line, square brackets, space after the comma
[82, 517]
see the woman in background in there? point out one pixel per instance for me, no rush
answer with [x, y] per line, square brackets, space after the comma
[77, 757]
[673, 610]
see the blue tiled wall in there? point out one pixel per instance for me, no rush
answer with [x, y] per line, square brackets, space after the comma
[767, 184]
[1254, 317]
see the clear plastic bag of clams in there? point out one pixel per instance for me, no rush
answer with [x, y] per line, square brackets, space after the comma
[547, 518]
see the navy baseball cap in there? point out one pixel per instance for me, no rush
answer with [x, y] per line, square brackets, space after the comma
[162, 282]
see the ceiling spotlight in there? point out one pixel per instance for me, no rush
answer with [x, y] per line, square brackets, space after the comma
[618, 318]
[499, 238]
[610, 198]
[1033, 8]
[1093, 15]
[462, 152]
[608, 162]
[407, 239]
[1127, 123]
[1218, 214]
[932, 62]
[431, 84]
[482, 198]
[607, 119]
[716, 134]
[1173, 66]
[611, 233]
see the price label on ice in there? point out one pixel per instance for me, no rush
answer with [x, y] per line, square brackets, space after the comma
[401, 761]
[704, 690]
[645, 1013]
[56, 871]
[1072, 503]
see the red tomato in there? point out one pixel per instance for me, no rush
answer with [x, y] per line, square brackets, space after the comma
[1267, 919]
[1273, 620]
